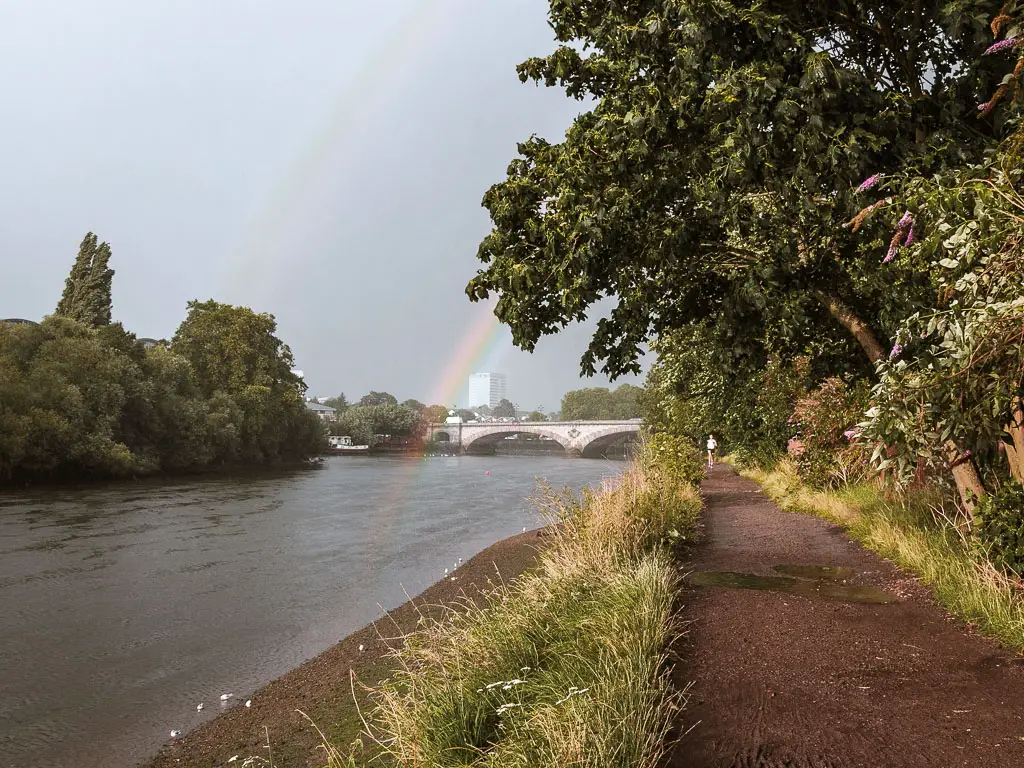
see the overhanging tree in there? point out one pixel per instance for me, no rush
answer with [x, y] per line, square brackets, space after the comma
[711, 178]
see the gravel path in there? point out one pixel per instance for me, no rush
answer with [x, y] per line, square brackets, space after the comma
[809, 681]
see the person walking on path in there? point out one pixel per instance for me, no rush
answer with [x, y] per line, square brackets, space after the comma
[712, 445]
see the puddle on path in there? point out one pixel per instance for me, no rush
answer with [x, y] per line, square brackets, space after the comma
[808, 580]
[818, 572]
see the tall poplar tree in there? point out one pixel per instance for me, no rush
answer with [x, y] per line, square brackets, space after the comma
[87, 291]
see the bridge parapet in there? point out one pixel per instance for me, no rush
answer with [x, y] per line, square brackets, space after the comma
[578, 438]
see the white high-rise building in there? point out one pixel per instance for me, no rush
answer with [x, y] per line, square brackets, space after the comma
[486, 389]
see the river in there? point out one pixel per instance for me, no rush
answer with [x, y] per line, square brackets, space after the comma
[122, 606]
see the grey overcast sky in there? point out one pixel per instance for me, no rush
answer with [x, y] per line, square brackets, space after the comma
[322, 160]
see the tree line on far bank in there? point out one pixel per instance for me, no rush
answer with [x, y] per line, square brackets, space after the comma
[380, 413]
[82, 397]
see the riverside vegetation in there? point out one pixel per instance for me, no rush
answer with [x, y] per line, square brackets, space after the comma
[567, 665]
[813, 215]
[81, 397]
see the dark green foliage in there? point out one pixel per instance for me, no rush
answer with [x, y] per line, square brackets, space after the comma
[697, 387]
[504, 410]
[378, 398]
[674, 457]
[364, 423]
[233, 351]
[712, 175]
[87, 291]
[600, 403]
[78, 401]
[434, 414]
[998, 528]
[339, 403]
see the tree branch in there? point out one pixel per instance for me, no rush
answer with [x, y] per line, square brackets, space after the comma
[848, 318]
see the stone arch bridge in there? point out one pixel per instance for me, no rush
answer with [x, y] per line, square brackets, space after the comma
[579, 438]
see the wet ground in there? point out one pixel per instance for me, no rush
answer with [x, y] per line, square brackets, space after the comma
[808, 651]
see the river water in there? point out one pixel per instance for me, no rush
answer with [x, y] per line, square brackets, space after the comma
[123, 606]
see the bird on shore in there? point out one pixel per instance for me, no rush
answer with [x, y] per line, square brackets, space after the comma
[360, 647]
[248, 702]
[445, 571]
[199, 707]
[226, 696]
[175, 734]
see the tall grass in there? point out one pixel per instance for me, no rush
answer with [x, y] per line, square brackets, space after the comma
[564, 667]
[907, 533]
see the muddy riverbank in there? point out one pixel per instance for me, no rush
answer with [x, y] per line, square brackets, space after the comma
[323, 686]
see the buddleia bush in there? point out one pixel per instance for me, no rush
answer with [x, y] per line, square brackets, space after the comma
[825, 418]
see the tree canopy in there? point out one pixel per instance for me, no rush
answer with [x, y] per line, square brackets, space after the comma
[711, 179]
[338, 403]
[87, 291]
[597, 403]
[378, 398]
[504, 410]
[82, 397]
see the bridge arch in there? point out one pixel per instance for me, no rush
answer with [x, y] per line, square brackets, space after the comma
[496, 432]
[598, 443]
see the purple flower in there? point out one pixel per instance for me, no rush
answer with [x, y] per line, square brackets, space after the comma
[893, 250]
[911, 237]
[1002, 45]
[906, 221]
[896, 351]
[851, 433]
[869, 182]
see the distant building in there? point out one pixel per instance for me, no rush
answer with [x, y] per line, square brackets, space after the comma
[149, 343]
[325, 412]
[18, 321]
[486, 389]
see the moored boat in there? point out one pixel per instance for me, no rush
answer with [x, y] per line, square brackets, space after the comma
[342, 444]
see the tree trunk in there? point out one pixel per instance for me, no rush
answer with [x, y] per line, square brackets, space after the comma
[1015, 449]
[846, 317]
[965, 475]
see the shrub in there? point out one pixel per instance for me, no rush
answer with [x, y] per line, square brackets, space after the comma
[673, 457]
[999, 528]
[830, 456]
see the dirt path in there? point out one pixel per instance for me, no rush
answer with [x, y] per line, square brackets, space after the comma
[801, 681]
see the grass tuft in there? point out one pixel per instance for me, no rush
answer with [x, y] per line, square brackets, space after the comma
[906, 533]
[567, 665]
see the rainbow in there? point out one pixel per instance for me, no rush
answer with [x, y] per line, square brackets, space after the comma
[366, 86]
[481, 348]
[424, 23]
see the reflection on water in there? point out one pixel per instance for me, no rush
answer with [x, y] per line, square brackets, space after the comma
[826, 582]
[819, 572]
[122, 607]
